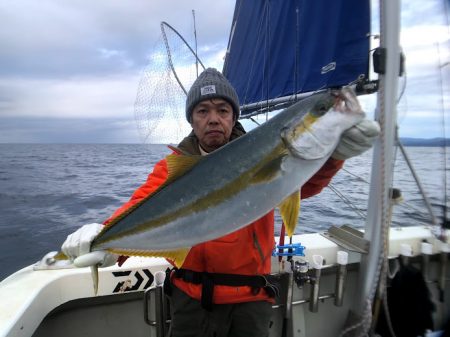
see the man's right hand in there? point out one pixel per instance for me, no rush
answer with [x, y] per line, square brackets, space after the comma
[79, 244]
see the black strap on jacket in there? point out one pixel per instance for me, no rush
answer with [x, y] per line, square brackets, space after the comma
[209, 280]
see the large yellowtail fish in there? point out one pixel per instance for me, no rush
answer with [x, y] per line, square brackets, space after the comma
[208, 197]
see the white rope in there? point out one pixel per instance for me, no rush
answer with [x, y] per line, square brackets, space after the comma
[391, 274]
[364, 324]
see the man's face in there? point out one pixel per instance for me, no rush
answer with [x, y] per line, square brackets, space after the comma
[212, 121]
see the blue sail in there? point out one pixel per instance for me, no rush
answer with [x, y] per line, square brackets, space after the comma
[278, 48]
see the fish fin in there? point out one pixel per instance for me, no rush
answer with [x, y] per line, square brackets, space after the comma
[289, 210]
[178, 165]
[177, 150]
[94, 274]
[60, 256]
[177, 256]
[268, 171]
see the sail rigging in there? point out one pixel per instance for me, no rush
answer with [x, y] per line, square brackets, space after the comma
[279, 49]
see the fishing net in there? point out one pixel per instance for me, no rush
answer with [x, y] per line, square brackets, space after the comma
[159, 108]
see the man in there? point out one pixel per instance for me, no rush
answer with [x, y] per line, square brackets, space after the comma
[218, 289]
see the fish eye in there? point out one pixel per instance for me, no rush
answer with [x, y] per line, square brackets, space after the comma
[321, 107]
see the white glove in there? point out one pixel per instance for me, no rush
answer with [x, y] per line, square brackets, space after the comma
[357, 139]
[79, 243]
[98, 257]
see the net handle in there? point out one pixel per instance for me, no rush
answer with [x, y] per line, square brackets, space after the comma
[169, 55]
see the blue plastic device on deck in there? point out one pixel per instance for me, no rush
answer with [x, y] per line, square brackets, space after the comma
[293, 249]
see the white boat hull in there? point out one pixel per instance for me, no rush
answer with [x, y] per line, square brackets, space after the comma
[62, 302]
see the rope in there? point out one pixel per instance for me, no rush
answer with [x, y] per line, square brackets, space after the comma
[387, 314]
[364, 323]
[391, 274]
[444, 148]
[255, 121]
[348, 202]
[356, 176]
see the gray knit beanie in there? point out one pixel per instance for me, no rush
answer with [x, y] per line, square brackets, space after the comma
[211, 84]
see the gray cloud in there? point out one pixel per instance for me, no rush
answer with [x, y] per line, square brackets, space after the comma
[69, 71]
[67, 64]
[57, 39]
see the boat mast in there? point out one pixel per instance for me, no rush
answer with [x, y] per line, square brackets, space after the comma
[377, 223]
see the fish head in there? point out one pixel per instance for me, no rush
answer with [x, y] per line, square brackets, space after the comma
[316, 134]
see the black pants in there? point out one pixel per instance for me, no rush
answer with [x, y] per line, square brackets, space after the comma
[249, 319]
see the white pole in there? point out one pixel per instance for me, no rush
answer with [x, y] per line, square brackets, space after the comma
[377, 223]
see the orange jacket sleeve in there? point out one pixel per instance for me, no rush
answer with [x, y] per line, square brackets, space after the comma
[322, 178]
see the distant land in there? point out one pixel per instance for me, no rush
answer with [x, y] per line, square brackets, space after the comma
[425, 141]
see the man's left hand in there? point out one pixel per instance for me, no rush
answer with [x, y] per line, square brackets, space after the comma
[357, 139]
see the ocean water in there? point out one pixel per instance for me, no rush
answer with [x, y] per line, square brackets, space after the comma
[47, 191]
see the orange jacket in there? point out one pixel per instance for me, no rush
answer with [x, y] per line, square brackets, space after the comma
[246, 251]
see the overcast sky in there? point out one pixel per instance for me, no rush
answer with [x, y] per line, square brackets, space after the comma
[70, 70]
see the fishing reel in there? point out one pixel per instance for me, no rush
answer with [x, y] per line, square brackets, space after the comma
[300, 272]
